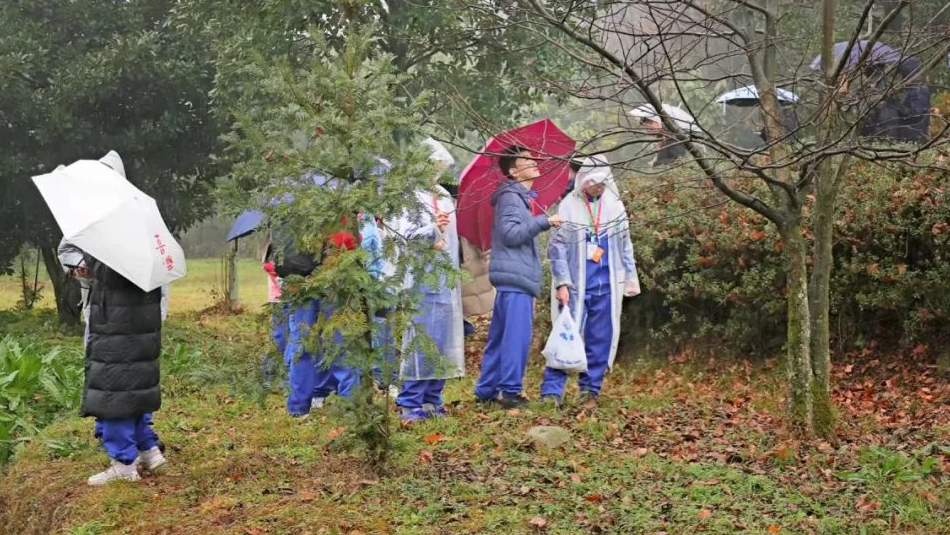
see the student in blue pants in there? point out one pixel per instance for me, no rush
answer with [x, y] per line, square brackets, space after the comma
[515, 271]
[440, 312]
[309, 379]
[314, 375]
[592, 269]
[149, 449]
[385, 373]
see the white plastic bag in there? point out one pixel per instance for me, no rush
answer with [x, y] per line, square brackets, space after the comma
[565, 347]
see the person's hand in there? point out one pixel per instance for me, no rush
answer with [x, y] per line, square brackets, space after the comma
[563, 295]
[631, 288]
[441, 220]
[555, 221]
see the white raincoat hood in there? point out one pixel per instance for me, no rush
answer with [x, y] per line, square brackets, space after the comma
[113, 161]
[439, 152]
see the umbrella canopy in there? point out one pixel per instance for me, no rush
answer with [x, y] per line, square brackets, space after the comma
[248, 221]
[106, 216]
[881, 54]
[749, 96]
[245, 224]
[549, 144]
[680, 117]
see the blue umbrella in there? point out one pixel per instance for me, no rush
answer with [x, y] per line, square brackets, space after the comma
[881, 54]
[248, 221]
[245, 224]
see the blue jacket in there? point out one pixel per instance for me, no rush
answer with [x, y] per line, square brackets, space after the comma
[515, 264]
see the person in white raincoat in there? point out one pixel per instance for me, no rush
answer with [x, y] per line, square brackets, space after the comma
[593, 268]
[422, 376]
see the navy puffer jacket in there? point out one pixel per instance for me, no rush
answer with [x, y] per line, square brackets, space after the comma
[515, 263]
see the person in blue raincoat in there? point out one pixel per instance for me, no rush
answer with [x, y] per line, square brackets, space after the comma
[593, 268]
[385, 372]
[422, 374]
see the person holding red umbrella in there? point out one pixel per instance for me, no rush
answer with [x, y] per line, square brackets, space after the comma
[515, 271]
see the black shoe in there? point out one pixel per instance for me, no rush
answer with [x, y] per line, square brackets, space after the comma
[552, 399]
[161, 446]
[485, 401]
[587, 398]
[514, 402]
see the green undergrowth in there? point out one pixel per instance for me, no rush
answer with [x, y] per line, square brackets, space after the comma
[669, 449]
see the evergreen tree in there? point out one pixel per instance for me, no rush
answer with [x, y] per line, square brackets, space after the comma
[339, 114]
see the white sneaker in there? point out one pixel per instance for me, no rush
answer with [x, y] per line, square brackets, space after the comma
[317, 403]
[116, 472]
[393, 391]
[151, 459]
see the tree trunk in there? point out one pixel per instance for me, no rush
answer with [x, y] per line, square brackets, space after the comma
[65, 289]
[798, 344]
[826, 194]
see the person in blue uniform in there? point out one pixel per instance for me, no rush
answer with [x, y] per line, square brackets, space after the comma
[515, 272]
[593, 268]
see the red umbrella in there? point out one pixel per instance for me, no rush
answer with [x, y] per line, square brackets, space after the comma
[551, 146]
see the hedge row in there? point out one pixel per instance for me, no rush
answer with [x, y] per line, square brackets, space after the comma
[712, 269]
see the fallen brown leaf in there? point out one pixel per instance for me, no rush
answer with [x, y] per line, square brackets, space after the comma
[425, 456]
[538, 522]
[866, 504]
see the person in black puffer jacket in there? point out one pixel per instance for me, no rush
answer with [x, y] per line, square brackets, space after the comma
[122, 371]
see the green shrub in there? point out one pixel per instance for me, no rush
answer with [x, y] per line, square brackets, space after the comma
[892, 276]
[711, 270]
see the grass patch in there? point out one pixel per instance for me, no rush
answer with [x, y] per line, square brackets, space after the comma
[197, 291]
[669, 448]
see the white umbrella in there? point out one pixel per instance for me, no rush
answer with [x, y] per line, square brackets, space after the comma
[680, 117]
[749, 95]
[105, 215]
